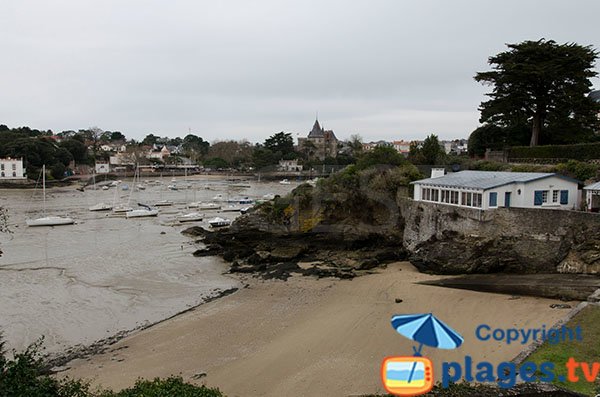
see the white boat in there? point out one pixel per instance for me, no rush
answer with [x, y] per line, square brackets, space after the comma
[105, 187]
[144, 212]
[246, 200]
[269, 196]
[231, 208]
[101, 207]
[219, 222]
[141, 187]
[284, 182]
[140, 213]
[121, 209]
[204, 206]
[191, 217]
[163, 203]
[48, 220]
[125, 187]
[172, 187]
[115, 183]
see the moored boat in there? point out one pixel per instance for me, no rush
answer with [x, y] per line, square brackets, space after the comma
[219, 222]
[191, 217]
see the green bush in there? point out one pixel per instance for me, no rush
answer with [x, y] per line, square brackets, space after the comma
[582, 152]
[170, 387]
[578, 170]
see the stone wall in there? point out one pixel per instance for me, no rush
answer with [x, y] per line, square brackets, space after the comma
[446, 239]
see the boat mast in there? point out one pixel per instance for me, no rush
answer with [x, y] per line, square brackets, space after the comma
[44, 186]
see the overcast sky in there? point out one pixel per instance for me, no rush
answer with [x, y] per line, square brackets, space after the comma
[247, 69]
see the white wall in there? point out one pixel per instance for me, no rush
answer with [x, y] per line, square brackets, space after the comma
[8, 173]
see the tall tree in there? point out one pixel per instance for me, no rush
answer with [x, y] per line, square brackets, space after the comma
[281, 142]
[117, 136]
[539, 82]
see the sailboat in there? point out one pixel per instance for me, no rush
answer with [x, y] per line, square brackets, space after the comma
[143, 212]
[99, 206]
[120, 208]
[48, 220]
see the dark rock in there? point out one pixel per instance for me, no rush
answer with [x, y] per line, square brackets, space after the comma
[560, 306]
[398, 300]
[369, 264]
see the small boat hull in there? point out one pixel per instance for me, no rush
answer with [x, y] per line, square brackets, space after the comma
[163, 203]
[205, 206]
[219, 222]
[141, 213]
[191, 217]
[101, 207]
[50, 221]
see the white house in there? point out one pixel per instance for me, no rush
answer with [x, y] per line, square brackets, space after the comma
[289, 165]
[491, 189]
[592, 197]
[11, 169]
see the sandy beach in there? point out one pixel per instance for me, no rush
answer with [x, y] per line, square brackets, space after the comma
[310, 337]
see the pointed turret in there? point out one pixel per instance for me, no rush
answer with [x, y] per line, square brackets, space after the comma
[317, 130]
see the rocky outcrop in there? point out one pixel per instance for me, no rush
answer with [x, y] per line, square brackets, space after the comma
[253, 246]
[451, 240]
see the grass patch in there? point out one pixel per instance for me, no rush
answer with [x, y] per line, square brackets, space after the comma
[587, 350]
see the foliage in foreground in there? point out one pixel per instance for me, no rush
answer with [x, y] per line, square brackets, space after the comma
[24, 376]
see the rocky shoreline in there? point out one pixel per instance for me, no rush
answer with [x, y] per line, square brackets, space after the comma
[269, 255]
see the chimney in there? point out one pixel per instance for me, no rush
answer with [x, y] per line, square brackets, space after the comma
[438, 172]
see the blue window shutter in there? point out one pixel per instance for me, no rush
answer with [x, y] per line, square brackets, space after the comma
[564, 197]
[493, 199]
[537, 197]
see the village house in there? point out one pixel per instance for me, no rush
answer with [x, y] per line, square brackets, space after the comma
[491, 189]
[402, 147]
[324, 142]
[158, 154]
[289, 165]
[12, 169]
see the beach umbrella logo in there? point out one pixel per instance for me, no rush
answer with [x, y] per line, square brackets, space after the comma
[413, 375]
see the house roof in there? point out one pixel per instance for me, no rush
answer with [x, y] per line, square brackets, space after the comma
[593, 186]
[487, 179]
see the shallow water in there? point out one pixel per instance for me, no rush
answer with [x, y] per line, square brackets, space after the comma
[80, 283]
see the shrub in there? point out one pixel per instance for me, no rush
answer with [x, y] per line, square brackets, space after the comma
[582, 152]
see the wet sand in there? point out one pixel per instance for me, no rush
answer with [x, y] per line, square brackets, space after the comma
[310, 337]
[80, 283]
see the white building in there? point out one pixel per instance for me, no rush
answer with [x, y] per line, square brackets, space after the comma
[11, 169]
[289, 165]
[102, 168]
[592, 197]
[490, 189]
[402, 147]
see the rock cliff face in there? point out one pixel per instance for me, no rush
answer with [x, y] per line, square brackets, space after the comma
[450, 240]
[435, 238]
